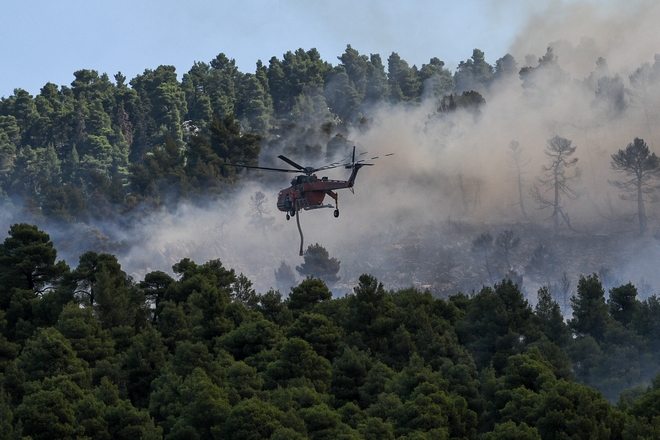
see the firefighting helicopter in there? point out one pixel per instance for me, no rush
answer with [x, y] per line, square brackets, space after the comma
[307, 191]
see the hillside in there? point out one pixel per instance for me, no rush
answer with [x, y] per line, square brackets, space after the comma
[92, 353]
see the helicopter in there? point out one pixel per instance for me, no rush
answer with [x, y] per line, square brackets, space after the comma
[307, 191]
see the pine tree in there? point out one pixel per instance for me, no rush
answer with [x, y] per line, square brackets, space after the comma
[641, 169]
[319, 264]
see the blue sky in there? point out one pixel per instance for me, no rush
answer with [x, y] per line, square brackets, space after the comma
[46, 41]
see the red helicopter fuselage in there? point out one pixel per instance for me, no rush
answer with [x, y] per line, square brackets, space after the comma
[308, 192]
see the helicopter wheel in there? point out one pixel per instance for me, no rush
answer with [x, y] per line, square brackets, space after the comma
[288, 216]
[336, 213]
[293, 213]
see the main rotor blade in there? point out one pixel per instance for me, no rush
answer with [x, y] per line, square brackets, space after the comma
[349, 162]
[328, 167]
[262, 168]
[376, 157]
[341, 163]
[292, 163]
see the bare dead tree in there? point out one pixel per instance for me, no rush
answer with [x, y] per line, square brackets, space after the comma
[519, 162]
[483, 244]
[504, 243]
[554, 183]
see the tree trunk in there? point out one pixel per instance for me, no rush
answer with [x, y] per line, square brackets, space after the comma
[641, 212]
[520, 194]
[555, 213]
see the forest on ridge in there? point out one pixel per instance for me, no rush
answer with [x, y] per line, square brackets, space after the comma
[103, 150]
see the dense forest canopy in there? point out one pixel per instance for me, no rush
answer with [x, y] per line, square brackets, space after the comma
[91, 353]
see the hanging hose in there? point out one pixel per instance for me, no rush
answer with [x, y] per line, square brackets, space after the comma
[299, 229]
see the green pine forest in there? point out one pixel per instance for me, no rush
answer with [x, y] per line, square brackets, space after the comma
[89, 352]
[106, 149]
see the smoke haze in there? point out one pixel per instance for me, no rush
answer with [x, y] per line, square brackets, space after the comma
[414, 215]
[622, 33]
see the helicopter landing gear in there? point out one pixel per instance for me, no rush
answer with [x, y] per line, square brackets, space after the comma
[336, 198]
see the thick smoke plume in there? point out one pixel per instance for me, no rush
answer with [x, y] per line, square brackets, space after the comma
[622, 33]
